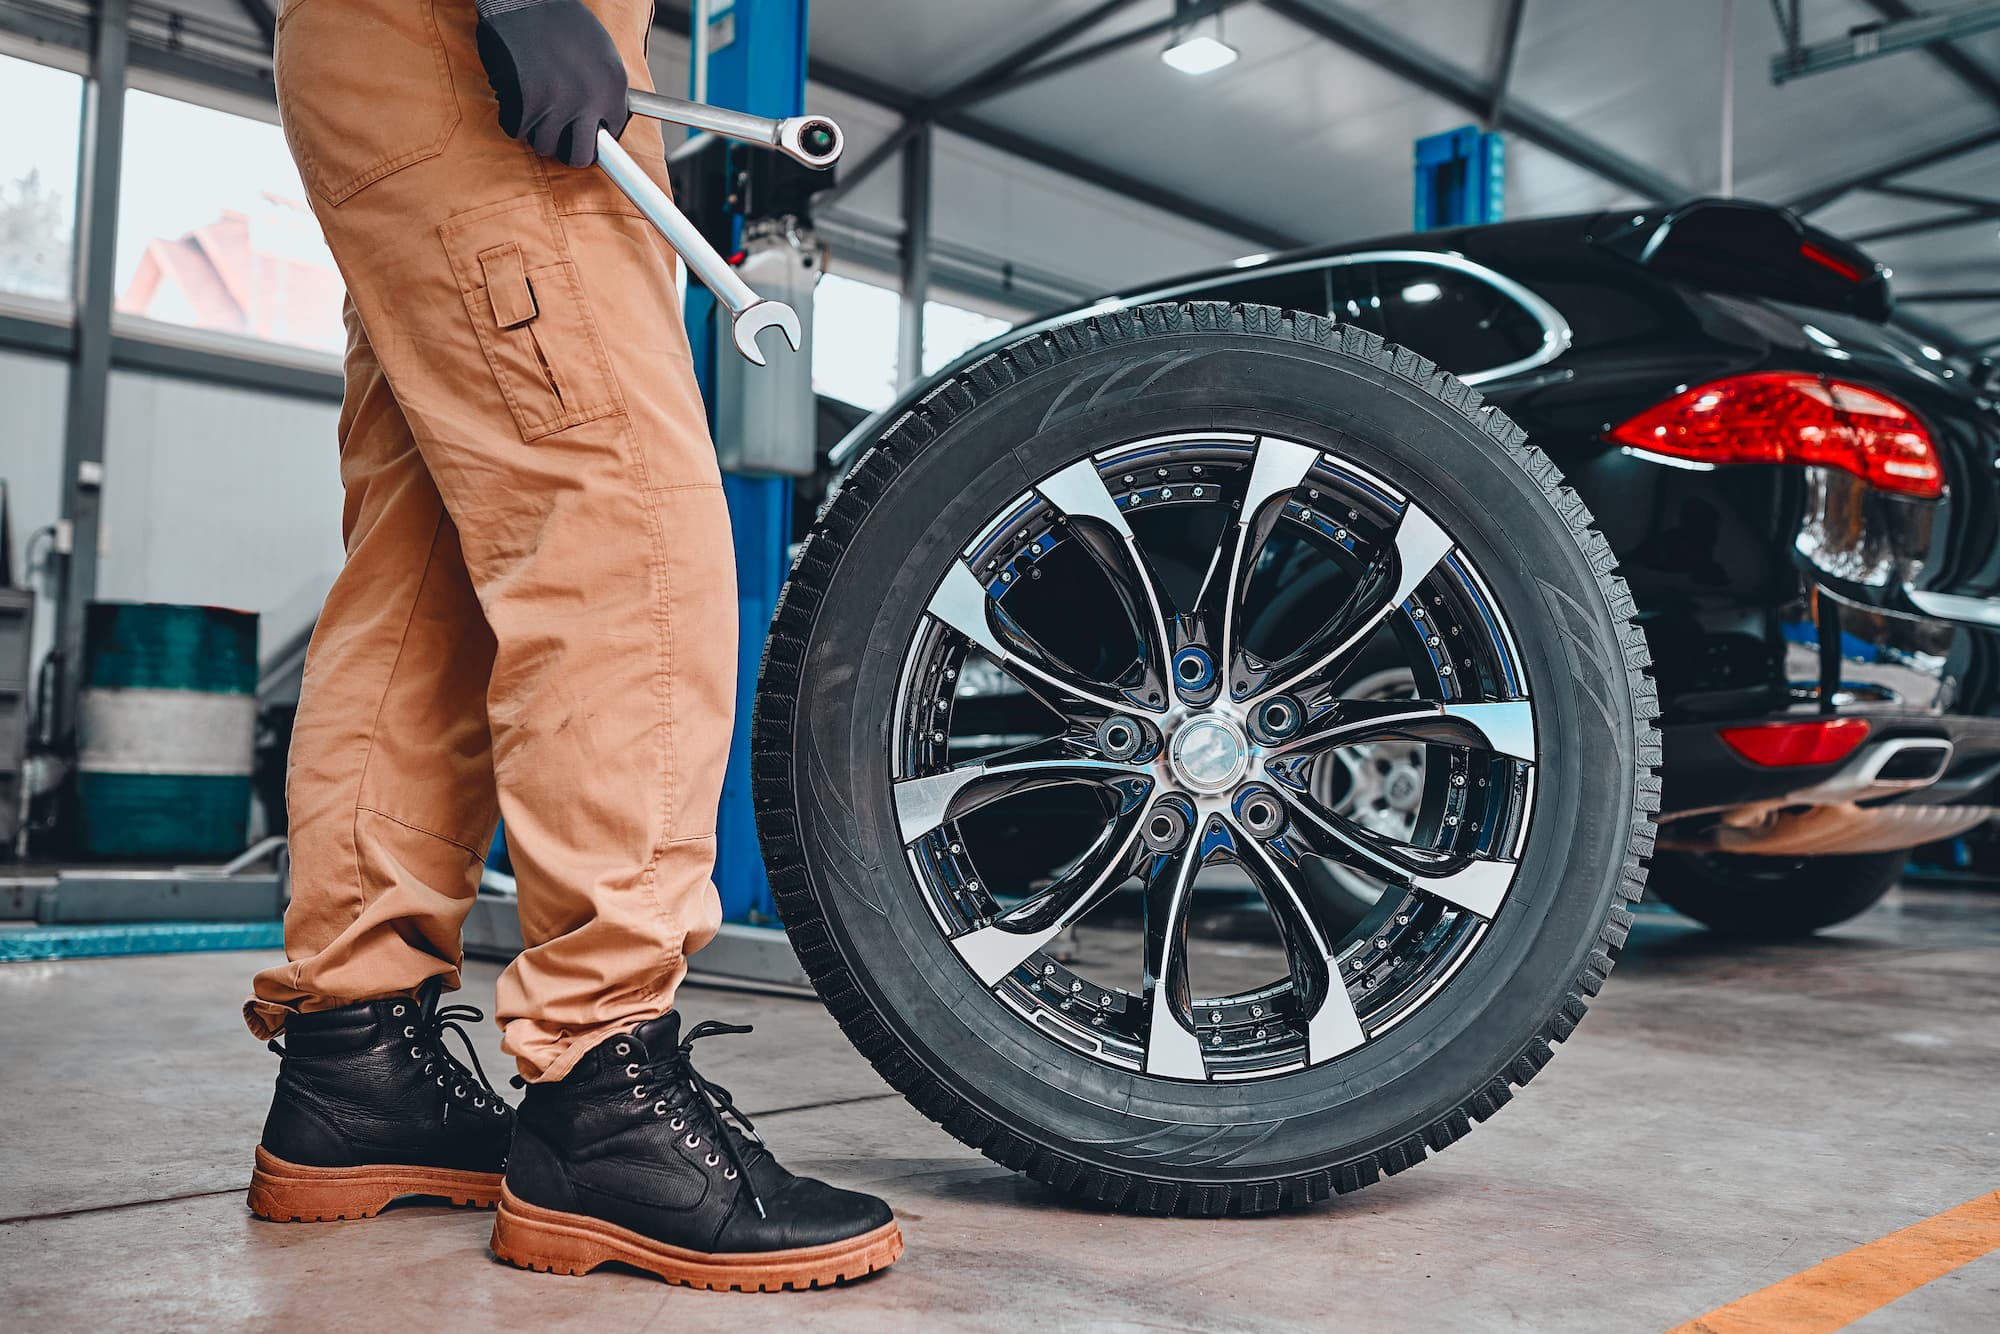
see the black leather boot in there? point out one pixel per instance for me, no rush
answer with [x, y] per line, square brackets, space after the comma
[370, 1106]
[636, 1157]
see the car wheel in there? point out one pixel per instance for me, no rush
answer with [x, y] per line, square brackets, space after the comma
[1773, 898]
[1102, 512]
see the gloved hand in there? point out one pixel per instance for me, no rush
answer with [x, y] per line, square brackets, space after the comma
[557, 74]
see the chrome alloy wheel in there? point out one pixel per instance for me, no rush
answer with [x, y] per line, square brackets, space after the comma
[1201, 719]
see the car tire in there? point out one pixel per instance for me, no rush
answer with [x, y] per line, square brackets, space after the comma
[855, 886]
[1773, 898]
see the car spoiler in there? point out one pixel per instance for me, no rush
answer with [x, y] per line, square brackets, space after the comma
[1750, 249]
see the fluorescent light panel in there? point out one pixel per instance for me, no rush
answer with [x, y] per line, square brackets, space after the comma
[1199, 54]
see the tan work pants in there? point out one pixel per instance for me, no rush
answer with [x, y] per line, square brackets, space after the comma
[537, 613]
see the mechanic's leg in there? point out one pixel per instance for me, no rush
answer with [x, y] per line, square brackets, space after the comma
[391, 802]
[390, 791]
[526, 317]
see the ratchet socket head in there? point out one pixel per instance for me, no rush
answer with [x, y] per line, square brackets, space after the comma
[813, 140]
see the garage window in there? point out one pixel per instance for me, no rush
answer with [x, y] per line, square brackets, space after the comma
[214, 232]
[854, 341]
[951, 331]
[43, 110]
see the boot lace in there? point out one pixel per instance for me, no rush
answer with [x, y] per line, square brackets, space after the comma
[425, 1032]
[693, 1095]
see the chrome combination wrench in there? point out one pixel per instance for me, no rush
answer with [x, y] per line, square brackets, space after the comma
[813, 140]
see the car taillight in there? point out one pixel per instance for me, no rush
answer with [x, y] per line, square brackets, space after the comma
[1796, 745]
[1790, 417]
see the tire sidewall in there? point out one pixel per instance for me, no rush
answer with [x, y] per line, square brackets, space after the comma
[1526, 551]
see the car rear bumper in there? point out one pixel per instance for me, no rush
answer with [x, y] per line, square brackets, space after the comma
[1931, 759]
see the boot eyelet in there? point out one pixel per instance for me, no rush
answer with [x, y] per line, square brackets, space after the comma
[639, 1092]
[430, 1067]
[478, 1102]
[677, 1124]
[729, 1175]
[396, 1011]
[692, 1141]
[632, 1071]
[416, 1053]
[458, 1091]
[660, 1107]
[440, 1081]
[623, 1049]
[409, 1032]
[712, 1160]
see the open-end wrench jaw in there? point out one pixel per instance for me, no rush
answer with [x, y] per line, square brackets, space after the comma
[760, 315]
[814, 140]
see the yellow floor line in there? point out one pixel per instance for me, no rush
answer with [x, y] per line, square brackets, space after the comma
[1837, 1292]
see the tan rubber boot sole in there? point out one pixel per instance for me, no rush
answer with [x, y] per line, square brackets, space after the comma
[288, 1193]
[558, 1243]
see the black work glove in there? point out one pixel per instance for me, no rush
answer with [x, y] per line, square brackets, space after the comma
[557, 74]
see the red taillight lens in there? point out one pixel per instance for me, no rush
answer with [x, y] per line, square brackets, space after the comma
[1788, 417]
[1796, 745]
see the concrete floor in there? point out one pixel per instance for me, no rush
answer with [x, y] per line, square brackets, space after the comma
[1725, 1118]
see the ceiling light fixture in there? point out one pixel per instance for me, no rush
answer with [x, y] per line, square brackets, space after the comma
[1197, 46]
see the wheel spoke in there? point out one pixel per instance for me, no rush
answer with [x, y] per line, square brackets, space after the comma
[922, 804]
[1011, 939]
[1078, 491]
[1476, 883]
[1420, 545]
[1278, 467]
[1331, 1025]
[1172, 1049]
[1506, 727]
[963, 603]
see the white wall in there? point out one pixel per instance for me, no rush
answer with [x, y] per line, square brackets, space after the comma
[220, 496]
[212, 495]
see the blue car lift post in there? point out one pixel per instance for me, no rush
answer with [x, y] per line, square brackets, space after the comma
[1461, 178]
[753, 54]
[756, 62]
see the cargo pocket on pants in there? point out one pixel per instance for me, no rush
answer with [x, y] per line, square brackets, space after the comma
[531, 317]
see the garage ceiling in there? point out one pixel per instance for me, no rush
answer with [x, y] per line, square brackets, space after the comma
[1308, 136]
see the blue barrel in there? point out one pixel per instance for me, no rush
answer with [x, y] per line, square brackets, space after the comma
[167, 728]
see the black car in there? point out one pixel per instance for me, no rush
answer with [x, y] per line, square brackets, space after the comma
[1800, 493]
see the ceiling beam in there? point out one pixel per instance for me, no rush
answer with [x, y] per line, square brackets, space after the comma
[1967, 70]
[1820, 196]
[1925, 226]
[1381, 46]
[868, 89]
[1020, 69]
[1182, 16]
[1503, 68]
[1119, 182]
[1948, 197]
[885, 152]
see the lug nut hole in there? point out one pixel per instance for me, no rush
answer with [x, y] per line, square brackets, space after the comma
[1164, 829]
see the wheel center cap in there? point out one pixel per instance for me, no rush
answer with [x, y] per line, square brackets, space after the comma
[1209, 754]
